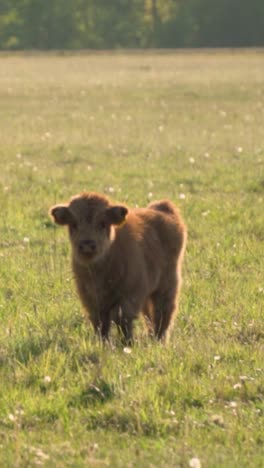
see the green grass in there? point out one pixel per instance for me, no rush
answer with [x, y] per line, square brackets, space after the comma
[139, 127]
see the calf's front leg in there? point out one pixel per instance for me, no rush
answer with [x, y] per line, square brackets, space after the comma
[101, 324]
[127, 312]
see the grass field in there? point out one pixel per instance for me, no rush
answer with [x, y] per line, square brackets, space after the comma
[138, 127]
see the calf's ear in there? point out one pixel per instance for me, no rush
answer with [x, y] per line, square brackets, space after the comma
[116, 214]
[61, 214]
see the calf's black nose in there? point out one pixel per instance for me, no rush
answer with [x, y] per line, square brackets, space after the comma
[87, 246]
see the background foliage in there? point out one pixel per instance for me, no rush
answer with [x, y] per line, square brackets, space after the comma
[73, 24]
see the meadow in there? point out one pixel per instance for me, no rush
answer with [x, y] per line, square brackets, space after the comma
[138, 127]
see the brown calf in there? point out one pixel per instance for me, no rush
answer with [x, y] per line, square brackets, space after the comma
[125, 261]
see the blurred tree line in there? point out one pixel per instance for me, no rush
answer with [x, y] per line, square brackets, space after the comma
[74, 24]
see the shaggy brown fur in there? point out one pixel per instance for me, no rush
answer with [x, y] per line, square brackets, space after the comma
[125, 261]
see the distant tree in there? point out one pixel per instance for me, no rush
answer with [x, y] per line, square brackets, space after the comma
[49, 24]
[9, 22]
[119, 23]
[211, 23]
[230, 22]
[73, 24]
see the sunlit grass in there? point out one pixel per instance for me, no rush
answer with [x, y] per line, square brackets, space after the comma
[139, 127]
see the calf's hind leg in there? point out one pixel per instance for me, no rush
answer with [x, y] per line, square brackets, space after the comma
[148, 316]
[164, 308]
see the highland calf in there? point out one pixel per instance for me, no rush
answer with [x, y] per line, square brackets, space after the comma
[125, 261]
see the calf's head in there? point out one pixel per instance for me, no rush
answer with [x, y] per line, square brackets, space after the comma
[92, 222]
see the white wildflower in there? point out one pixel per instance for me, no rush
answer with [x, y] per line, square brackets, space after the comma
[233, 404]
[243, 378]
[218, 420]
[12, 417]
[195, 463]
[47, 379]
[237, 386]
